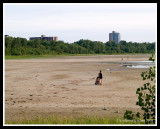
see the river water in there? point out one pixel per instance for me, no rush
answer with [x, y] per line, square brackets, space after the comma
[133, 65]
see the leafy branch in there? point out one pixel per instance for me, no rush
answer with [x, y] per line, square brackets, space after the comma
[146, 97]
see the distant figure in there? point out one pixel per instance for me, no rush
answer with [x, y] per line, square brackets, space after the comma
[99, 78]
[122, 58]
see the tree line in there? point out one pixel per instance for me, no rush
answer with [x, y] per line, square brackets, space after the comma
[22, 46]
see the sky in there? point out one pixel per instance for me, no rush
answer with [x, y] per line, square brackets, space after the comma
[70, 22]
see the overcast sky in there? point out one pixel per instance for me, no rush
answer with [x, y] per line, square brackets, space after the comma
[72, 22]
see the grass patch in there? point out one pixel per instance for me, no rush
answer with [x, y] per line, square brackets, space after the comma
[60, 55]
[73, 120]
[29, 56]
[45, 56]
[42, 56]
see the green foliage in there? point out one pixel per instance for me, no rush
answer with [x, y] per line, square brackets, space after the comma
[128, 115]
[146, 96]
[21, 46]
[72, 120]
[152, 58]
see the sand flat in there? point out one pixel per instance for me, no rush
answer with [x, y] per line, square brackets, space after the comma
[65, 86]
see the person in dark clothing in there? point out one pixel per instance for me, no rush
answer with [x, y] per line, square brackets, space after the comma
[100, 77]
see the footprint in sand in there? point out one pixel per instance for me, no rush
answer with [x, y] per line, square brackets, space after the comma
[37, 75]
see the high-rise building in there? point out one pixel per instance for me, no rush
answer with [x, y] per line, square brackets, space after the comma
[114, 36]
[43, 37]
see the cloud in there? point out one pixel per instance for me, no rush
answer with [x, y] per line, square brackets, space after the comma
[82, 21]
[88, 18]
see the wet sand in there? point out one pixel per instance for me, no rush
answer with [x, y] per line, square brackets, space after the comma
[65, 86]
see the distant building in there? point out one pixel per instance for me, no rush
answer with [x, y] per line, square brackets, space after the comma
[7, 36]
[43, 37]
[114, 36]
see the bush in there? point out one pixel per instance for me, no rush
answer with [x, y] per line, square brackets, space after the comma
[146, 97]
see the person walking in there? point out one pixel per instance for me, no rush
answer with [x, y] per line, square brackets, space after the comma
[100, 76]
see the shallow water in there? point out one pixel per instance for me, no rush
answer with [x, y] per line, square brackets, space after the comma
[133, 64]
[113, 69]
[136, 66]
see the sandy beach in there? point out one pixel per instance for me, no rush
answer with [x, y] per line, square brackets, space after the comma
[65, 86]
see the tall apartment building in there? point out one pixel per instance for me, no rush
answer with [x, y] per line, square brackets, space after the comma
[43, 37]
[114, 36]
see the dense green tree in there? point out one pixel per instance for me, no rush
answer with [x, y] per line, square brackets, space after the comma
[8, 42]
[22, 46]
[24, 42]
